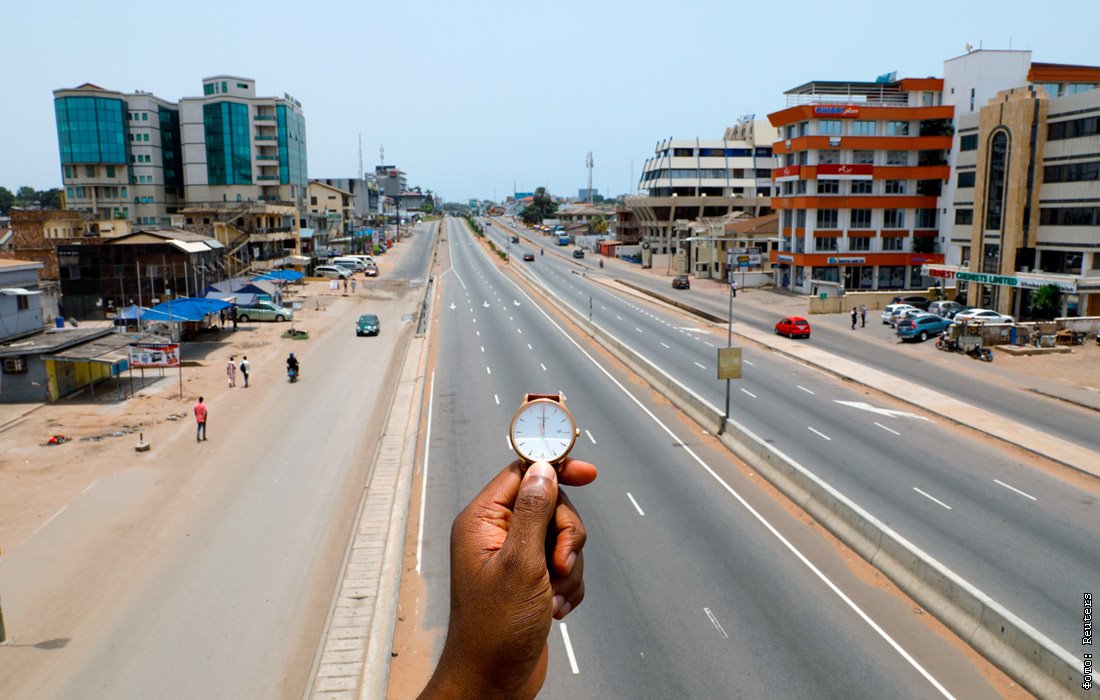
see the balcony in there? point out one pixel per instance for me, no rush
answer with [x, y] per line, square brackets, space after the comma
[264, 117]
[264, 137]
[263, 156]
[267, 178]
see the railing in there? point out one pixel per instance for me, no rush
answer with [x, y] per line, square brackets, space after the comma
[266, 157]
[268, 178]
[265, 137]
[264, 117]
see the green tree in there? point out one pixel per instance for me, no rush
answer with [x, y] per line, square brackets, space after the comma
[1045, 301]
[542, 206]
[49, 199]
[25, 196]
[6, 200]
[599, 225]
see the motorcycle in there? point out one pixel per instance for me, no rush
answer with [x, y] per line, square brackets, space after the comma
[947, 344]
[978, 352]
[292, 374]
[601, 264]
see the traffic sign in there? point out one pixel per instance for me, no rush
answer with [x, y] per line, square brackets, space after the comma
[729, 363]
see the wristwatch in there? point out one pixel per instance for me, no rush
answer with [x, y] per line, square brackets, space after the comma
[543, 429]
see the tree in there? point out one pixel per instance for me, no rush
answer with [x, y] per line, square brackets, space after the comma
[599, 225]
[25, 196]
[49, 199]
[1045, 301]
[542, 206]
[6, 200]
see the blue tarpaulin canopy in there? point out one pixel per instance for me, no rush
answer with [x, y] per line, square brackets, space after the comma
[279, 276]
[131, 313]
[185, 309]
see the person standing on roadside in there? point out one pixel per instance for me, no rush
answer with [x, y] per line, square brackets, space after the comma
[231, 372]
[200, 420]
[345, 286]
[862, 315]
[353, 285]
[245, 368]
[853, 318]
[233, 316]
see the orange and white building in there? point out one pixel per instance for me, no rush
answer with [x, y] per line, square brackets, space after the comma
[860, 168]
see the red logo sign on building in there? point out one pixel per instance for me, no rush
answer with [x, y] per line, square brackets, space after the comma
[835, 111]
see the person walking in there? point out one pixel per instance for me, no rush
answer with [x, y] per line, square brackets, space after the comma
[233, 316]
[200, 420]
[231, 372]
[862, 315]
[854, 318]
[246, 368]
[353, 286]
[345, 286]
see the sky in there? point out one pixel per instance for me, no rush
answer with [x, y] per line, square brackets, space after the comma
[470, 97]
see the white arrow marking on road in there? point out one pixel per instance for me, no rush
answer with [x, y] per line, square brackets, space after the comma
[515, 303]
[691, 329]
[453, 306]
[888, 412]
[485, 304]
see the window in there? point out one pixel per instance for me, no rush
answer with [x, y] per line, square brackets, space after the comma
[891, 277]
[825, 244]
[964, 217]
[122, 192]
[15, 365]
[243, 86]
[828, 157]
[1073, 172]
[225, 86]
[895, 187]
[800, 187]
[968, 142]
[893, 243]
[863, 157]
[69, 192]
[828, 186]
[110, 170]
[926, 218]
[683, 152]
[208, 89]
[859, 243]
[997, 173]
[313, 201]
[803, 128]
[826, 218]
[897, 128]
[965, 178]
[862, 186]
[1063, 216]
[860, 218]
[863, 127]
[144, 116]
[788, 217]
[800, 218]
[829, 127]
[893, 218]
[897, 157]
[1074, 128]
[89, 171]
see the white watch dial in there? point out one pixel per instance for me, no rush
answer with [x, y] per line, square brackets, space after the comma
[543, 430]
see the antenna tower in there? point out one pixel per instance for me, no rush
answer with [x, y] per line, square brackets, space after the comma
[588, 164]
[360, 155]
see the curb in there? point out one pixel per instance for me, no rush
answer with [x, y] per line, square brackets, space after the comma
[1014, 646]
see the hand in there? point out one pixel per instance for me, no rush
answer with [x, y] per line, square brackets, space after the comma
[516, 562]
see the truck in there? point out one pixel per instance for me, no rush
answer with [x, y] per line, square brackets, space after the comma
[561, 238]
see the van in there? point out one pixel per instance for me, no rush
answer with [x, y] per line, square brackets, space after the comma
[349, 262]
[365, 259]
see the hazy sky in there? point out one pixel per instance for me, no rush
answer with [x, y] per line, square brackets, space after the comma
[468, 97]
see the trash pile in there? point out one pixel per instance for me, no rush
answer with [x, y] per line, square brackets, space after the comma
[57, 440]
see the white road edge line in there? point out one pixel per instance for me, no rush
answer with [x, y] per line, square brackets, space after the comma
[714, 621]
[1013, 488]
[932, 498]
[748, 392]
[819, 433]
[424, 476]
[666, 347]
[636, 506]
[750, 364]
[487, 370]
[700, 366]
[590, 437]
[805, 389]
[497, 399]
[638, 329]
[889, 430]
[745, 504]
[529, 346]
[569, 648]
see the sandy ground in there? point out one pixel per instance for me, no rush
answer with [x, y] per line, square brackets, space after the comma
[37, 480]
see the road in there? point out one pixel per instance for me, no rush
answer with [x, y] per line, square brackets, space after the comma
[1029, 540]
[206, 571]
[691, 589]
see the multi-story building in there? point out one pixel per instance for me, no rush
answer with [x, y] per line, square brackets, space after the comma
[120, 153]
[689, 179]
[239, 147]
[366, 202]
[392, 181]
[860, 167]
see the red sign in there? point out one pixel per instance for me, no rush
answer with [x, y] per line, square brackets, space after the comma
[836, 171]
[835, 111]
[940, 272]
[787, 172]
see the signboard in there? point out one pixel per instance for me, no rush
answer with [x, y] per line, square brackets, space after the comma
[729, 363]
[846, 111]
[837, 171]
[1020, 280]
[786, 173]
[848, 260]
[785, 258]
[155, 355]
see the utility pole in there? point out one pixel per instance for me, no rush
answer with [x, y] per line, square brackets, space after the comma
[360, 155]
[588, 164]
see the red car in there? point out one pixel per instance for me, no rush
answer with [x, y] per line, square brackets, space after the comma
[793, 327]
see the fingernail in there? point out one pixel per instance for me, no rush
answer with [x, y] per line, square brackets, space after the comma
[556, 604]
[541, 469]
[566, 608]
[570, 560]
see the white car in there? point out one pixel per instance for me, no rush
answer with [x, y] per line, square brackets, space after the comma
[890, 310]
[983, 315]
[902, 314]
[332, 271]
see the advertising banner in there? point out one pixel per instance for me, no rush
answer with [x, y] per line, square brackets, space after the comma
[155, 355]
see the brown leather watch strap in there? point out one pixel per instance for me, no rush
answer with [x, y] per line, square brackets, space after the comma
[532, 397]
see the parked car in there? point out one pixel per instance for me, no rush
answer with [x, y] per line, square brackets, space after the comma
[945, 308]
[371, 270]
[922, 326]
[889, 310]
[367, 324]
[984, 315]
[264, 311]
[528, 257]
[515, 238]
[353, 264]
[793, 327]
[918, 301]
[681, 282]
[908, 312]
[365, 259]
[332, 271]
[578, 253]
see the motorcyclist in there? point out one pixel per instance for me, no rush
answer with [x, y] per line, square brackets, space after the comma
[601, 264]
[541, 251]
[292, 364]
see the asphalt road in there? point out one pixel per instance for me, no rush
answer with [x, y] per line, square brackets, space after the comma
[1029, 540]
[206, 571]
[689, 594]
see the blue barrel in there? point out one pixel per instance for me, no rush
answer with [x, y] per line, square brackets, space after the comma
[59, 322]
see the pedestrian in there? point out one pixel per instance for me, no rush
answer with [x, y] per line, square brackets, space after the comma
[231, 372]
[345, 286]
[221, 318]
[353, 286]
[200, 420]
[854, 313]
[246, 368]
[862, 315]
[233, 316]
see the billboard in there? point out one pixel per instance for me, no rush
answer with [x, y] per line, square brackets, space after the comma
[155, 355]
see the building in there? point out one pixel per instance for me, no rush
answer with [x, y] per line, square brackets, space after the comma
[239, 147]
[366, 200]
[1025, 195]
[21, 311]
[689, 179]
[256, 235]
[391, 180]
[584, 194]
[146, 267]
[120, 153]
[860, 168]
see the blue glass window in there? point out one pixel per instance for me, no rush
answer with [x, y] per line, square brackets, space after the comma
[91, 129]
[292, 146]
[228, 150]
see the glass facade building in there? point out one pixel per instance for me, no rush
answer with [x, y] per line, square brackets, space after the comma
[228, 145]
[292, 147]
[171, 150]
[91, 130]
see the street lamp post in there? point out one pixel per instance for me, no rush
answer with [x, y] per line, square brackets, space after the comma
[729, 344]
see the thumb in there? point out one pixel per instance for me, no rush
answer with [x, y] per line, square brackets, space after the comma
[535, 503]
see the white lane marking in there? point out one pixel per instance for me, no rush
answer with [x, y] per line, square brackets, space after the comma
[714, 621]
[709, 343]
[749, 393]
[819, 433]
[603, 307]
[618, 317]
[1013, 488]
[483, 348]
[569, 648]
[543, 366]
[748, 507]
[932, 498]
[804, 389]
[636, 506]
[889, 430]
[519, 330]
[888, 412]
[666, 346]
[424, 477]
[700, 366]
[529, 346]
[590, 437]
[487, 370]
[478, 333]
[497, 399]
[749, 363]
[638, 329]
[511, 319]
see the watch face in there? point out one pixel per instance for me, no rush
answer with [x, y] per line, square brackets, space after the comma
[543, 430]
